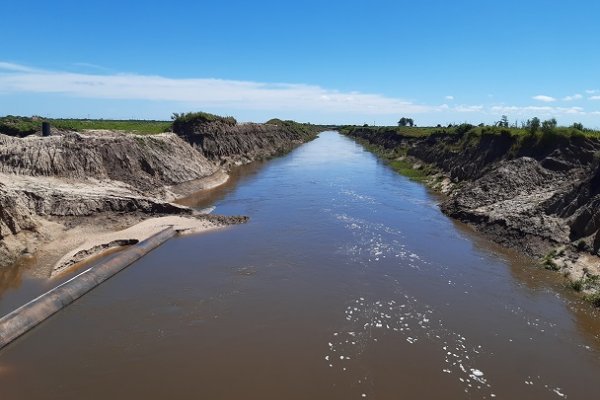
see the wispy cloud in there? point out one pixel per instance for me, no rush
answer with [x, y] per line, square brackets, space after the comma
[202, 92]
[573, 97]
[591, 91]
[92, 66]
[545, 99]
[536, 110]
[468, 109]
[11, 67]
[256, 97]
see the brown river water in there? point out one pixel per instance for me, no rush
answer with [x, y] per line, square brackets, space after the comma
[347, 283]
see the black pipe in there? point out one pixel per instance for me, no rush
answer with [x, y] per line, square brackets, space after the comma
[37, 310]
[45, 128]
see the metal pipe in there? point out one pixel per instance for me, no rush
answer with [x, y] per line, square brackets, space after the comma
[39, 309]
[46, 129]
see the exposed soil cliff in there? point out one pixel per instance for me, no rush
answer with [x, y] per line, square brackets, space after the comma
[537, 193]
[230, 145]
[147, 163]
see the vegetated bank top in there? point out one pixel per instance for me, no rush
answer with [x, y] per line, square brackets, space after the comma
[24, 126]
[546, 129]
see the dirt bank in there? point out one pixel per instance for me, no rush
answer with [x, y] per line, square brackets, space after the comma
[68, 192]
[539, 194]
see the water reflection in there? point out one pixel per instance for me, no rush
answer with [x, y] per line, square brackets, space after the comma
[237, 176]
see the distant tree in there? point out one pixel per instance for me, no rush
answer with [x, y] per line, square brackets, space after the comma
[410, 122]
[403, 121]
[549, 125]
[439, 126]
[578, 126]
[533, 125]
[503, 122]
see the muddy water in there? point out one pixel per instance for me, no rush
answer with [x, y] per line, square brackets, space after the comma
[348, 283]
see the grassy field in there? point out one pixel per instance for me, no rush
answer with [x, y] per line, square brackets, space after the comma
[23, 126]
[475, 131]
[135, 126]
[407, 131]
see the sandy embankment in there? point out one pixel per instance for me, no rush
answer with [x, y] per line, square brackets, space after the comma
[89, 241]
[82, 243]
[79, 221]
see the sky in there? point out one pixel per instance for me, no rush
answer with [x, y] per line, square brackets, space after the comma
[339, 62]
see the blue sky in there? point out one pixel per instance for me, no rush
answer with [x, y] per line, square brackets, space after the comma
[336, 61]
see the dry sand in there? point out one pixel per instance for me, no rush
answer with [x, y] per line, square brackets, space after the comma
[85, 242]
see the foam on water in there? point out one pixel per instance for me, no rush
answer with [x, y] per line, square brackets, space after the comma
[374, 242]
[367, 322]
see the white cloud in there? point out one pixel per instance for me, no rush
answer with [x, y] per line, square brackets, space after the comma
[254, 97]
[591, 91]
[6, 66]
[202, 92]
[573, 97]
[535, 110]
[468, 109]
[545, 99]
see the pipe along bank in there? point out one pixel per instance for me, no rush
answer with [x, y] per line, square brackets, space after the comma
[39, 309]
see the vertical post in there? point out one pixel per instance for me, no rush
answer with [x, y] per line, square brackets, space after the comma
[45, 129]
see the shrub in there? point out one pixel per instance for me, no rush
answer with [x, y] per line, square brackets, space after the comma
[549, 126]
[577, 285]
[200, 117]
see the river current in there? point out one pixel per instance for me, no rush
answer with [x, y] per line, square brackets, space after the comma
[347, 283]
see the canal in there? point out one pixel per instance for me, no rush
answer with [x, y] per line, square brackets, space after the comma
[347, 283]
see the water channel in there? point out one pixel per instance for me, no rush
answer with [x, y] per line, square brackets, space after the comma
[347, 283]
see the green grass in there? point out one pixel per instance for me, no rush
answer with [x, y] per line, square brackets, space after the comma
[23, 126]
[593, 298]
[475, 131]
[406, 131]
[550, 265]
[586, 283]
[396, 159]
[404, 167]
[142, 127]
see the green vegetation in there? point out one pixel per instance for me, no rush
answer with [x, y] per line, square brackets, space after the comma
[549, 264]
[23, 126]
[406, 168]
[397, 159]
[406, 122]
[530, 129]
[548, 261]
[589, 283]
[296, 127]
[200, 118]
[407, 131]
[593, 298]
[141, 127]
[19, 126]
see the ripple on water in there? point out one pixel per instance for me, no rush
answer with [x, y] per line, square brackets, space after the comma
[375, 242]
